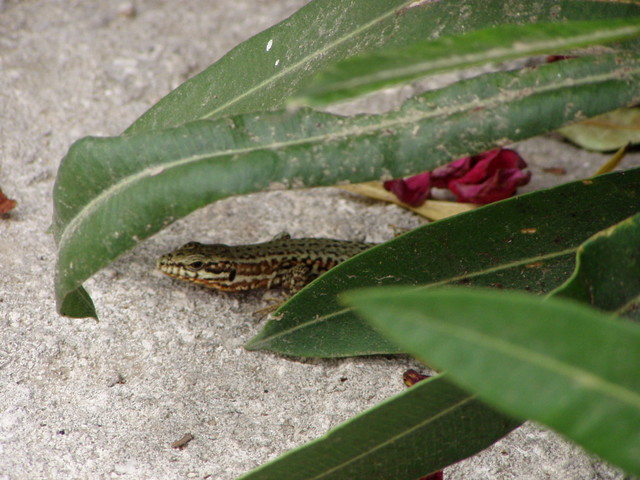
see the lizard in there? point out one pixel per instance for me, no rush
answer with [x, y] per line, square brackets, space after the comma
[283, 262]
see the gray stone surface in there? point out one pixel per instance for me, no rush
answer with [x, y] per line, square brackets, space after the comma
[87, 399]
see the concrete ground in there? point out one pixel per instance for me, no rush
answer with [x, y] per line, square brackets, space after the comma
[87, 399]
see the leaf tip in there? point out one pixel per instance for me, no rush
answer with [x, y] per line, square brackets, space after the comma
[77, 304]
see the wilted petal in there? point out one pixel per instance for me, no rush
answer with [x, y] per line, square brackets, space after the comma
[557, 58]
[413, 190]
[411, 377]
[502, 184]
[494, 175]
[6, 205]
[484, 178]
[441, 176]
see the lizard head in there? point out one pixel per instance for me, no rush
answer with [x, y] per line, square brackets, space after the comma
[208, 265]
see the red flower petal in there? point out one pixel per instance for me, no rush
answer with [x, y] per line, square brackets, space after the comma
[484, 178]
[489, 162]
[411, 377]
[502, 184]
[556, 58]
[413, 190]
[441, 176]
[6, 205]
[495, 175]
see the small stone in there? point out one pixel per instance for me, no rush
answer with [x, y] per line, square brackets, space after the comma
[127, 10]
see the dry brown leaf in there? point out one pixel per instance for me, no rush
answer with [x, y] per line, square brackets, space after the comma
[431, 209]
[6, 205]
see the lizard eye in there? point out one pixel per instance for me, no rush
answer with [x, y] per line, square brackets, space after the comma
[197, 265]
[232, 275]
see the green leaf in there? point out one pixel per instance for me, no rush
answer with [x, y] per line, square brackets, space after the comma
[431, 425]
[371, 71]
[527, 243]
[607, 272]
[252, 77]
[554, 361]
[610, 131]
[78, 304]
[111, 193]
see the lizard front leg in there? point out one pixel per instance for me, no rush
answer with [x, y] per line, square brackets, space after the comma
[290, 282]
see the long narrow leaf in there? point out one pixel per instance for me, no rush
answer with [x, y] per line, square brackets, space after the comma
[554, 361]
[370, 71]
[526, 243]
[428, 427]
[105, 202]
[607, 272]
[261, 73]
